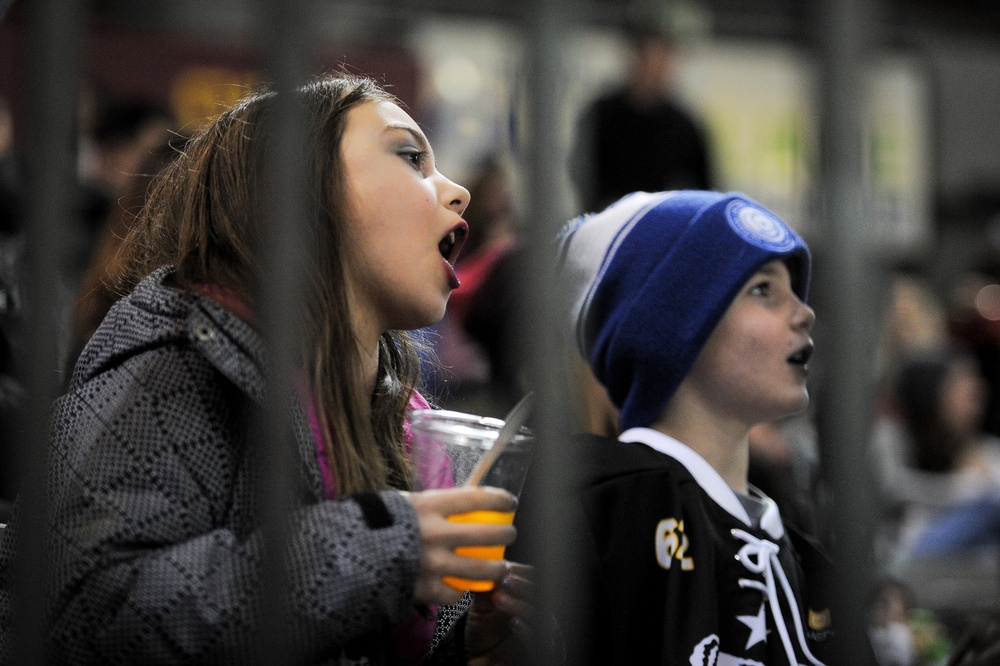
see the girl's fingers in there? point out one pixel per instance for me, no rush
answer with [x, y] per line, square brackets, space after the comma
[440, 532]
[447, 563]
[449, 501]
[440, 537]
[477, 534]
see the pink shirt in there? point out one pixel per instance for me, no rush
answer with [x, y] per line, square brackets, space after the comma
[412, 637]
[438, 477]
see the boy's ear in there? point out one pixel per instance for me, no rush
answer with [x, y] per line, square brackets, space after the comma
[596, 413]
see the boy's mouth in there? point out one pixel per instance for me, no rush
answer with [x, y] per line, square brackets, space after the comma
[802, 355]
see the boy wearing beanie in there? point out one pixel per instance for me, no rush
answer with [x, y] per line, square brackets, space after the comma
[689, 307]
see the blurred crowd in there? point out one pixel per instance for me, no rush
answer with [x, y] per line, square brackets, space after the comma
[936, 453]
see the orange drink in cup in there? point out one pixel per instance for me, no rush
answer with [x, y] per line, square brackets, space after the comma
[481, 552]
[446, 448]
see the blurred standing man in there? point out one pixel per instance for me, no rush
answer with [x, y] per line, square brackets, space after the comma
[637, 137]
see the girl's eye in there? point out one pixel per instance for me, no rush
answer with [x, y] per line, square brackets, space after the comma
[416, 158]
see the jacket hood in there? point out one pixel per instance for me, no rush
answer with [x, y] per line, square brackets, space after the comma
[155, 315]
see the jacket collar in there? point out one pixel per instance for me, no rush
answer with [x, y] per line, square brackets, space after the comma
[706, 477]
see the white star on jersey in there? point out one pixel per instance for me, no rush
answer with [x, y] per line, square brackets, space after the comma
[758, 627]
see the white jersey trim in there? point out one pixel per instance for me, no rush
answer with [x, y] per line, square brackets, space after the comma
[706, 476]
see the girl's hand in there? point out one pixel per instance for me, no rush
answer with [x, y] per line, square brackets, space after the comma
[497, 630]
[439, 537]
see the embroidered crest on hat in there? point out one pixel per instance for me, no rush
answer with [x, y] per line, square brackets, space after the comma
[759, 227]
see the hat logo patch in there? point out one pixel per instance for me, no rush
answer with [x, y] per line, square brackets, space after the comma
[759, 227]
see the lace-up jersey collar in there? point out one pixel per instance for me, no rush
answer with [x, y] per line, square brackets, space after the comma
[758, 555]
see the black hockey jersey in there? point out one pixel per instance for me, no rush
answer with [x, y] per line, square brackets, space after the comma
[678, 569]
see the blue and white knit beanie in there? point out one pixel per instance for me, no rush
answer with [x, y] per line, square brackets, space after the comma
[649, 278]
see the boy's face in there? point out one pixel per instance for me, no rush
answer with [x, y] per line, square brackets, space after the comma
[754, 365]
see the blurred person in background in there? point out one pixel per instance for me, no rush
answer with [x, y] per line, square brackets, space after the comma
[638, 137]
[479, 345]
[937, 463]
[930, 449]
[117, 137]
[901, 632]
[973, 319]
[784, 465]
[892, 638]
[99, 288]
[125, 133]
[915, 319]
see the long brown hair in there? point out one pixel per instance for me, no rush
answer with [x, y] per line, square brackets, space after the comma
[204, 216]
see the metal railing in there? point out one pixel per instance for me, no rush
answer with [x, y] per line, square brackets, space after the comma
[844, 277]
[53, 57]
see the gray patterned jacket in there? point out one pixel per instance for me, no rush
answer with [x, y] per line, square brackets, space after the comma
[156, 548]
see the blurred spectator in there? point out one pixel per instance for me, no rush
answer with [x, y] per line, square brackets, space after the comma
[784, 465]
[974, 321]
[478, 348]
[931, 451]
[638, 137]
[967, 527]
[98, 289]
[902, 633]
[915, 319]
[891, 635]
[124, 134]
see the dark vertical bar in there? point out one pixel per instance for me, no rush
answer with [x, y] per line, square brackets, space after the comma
[544, 27]
[53, 57]
[287, 35]
[844, 279]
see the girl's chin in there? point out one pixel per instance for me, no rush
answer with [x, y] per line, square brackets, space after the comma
[423, 320]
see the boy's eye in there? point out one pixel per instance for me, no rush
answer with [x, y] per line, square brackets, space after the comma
[761, 289]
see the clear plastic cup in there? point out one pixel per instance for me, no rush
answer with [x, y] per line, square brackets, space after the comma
[446, 447]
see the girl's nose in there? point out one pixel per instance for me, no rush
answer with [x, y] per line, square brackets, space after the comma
[454, 195]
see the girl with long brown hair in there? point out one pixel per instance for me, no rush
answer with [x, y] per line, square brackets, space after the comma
[156, 543]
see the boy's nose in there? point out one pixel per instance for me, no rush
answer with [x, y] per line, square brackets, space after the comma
[806, 316]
